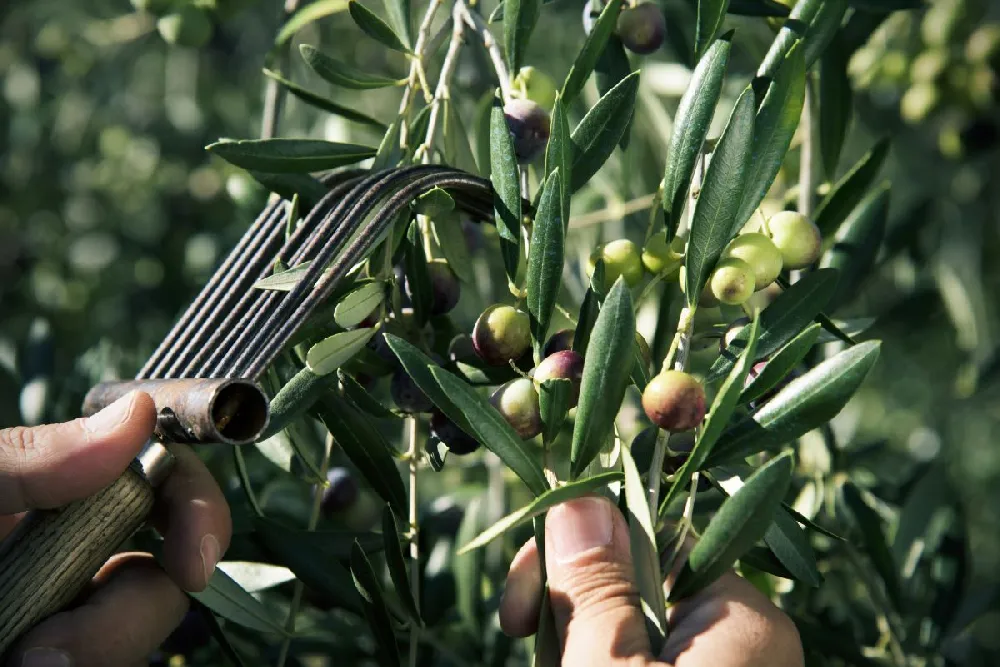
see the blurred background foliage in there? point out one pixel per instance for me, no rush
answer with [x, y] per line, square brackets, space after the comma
[112, 216]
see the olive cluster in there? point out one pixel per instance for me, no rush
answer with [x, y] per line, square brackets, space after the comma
[941, 66]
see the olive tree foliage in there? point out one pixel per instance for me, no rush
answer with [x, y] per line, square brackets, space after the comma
[697, 295]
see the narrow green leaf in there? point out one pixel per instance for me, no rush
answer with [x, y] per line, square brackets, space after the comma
[222, 639]
[417, 365]
[554, 402]
[835, 103]
[342, 74]
[591, 51]
[365, 446]
[612, 68]
[541, 504]
[324, 103]
[289, 155]
[856, 245]
[491, 429]
[779, 365]
[763, 559]
[691, 125]
[308, 14]
[457, 150]
[718, 416]
[451, 239]
[876, 546]
[848, 192]
[469, 568]
[777, 120]
[331, 353]
[359, 396]
[399, 18]
[595, 138]
[358, 304]
[375, 610]
[606, 372]
[433, 203]
[589, 310]
[283, 281]
[375, 27]
[520, 17]
[559, 154]
[645, 555]
[804, 404]
[545, 258]
[397, 566]
[294, 398]
[506, 179]
[708, 22]
[418, 278]
[790, 545]
[714, 223]
[738, 525]
[822, 28]
[389, 153]
[227, 599]
[815, 21]
[785, 318]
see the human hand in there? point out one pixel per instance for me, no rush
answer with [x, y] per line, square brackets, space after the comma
[132, 605]
[595, 603]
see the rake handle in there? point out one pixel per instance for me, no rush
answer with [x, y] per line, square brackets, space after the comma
[53, 554]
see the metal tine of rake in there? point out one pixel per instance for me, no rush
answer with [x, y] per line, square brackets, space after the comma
[189, 361]
[361, 198]
[217, 288]
[265, 345]
[226, 285]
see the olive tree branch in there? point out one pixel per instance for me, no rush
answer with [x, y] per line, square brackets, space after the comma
[417, 78]
[442, 93]
[479, 26]
[807, 170]
[274, 93]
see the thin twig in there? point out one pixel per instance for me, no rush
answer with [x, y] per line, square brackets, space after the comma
[413, 456]
[299, 588]
[807, 170]
[442, 92]
[479, 26]
[416, 77]
[274, 93]
[655, 470]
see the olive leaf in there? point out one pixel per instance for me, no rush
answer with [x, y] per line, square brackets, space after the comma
[559, 155]
[804, 404]
[709, 20]
[374, 607]
[777, 120]
[450, 237]
[306, 15]
[227, 598]
[645, 555]
[341, 74]
[848, 192]
[545, 258]
[815, 22]
[595, 138]
[591, 51]
[354, 307]
[835, 102]
[856, 245]
[294, 398]
[375, 27]
[691, 125]
[305, 187]
[554, 402]
[520, 17]
[876, 546]
[714, 222]
[331, 353]
[397, 566]
[784, 319]
[606, 372]
[399, 18]
[288, 155]
[540, 505]
[506, 179]
[324, 103]
[740, 522]
[781, 363]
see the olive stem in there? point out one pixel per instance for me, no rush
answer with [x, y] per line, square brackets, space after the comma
[299, 587]
[680, 346]
[483, 31]
[807, 171]
[274, 93]
[442, 92]
[413, 436]
[416, 77]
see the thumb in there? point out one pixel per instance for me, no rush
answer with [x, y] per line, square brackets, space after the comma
[47, 466]
[591, 585]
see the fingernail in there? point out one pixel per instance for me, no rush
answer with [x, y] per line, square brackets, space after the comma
[110, 417]
[210, 552]
[45, 657]
[579, 525]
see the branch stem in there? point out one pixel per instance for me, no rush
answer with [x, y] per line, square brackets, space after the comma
[413, 459]
[274, 93]
[479, 26]
[807, 158]
[441, 93]
[416, 78]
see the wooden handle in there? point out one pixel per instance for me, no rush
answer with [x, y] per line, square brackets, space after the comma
[52, 554]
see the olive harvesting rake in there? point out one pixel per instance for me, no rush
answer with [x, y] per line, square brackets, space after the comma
[202, 377]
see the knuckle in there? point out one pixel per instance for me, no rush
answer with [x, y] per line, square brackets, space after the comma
[602, 587]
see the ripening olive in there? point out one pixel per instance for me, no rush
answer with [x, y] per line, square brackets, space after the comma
[621, 258]
[674, 401]
[407, 395]
[455, 439]
[559, 341]
[567, 365]
[760, 253]
[732, 281]
[659, 257]
[501, 334]
[798, 239]
[517, 402]
[642, 28]
[341, 493]
[528, 123]
[445, 287]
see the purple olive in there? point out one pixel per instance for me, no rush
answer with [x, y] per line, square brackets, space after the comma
[517, 402]
[407, 395]
[342, 492]
[559, 341]
[642, 28]
[501, 334]
[445, 288]
[528, 123]
[455, 439]
[566, 364]
[674, 401]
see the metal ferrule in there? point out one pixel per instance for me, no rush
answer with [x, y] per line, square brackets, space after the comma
[195, 410]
